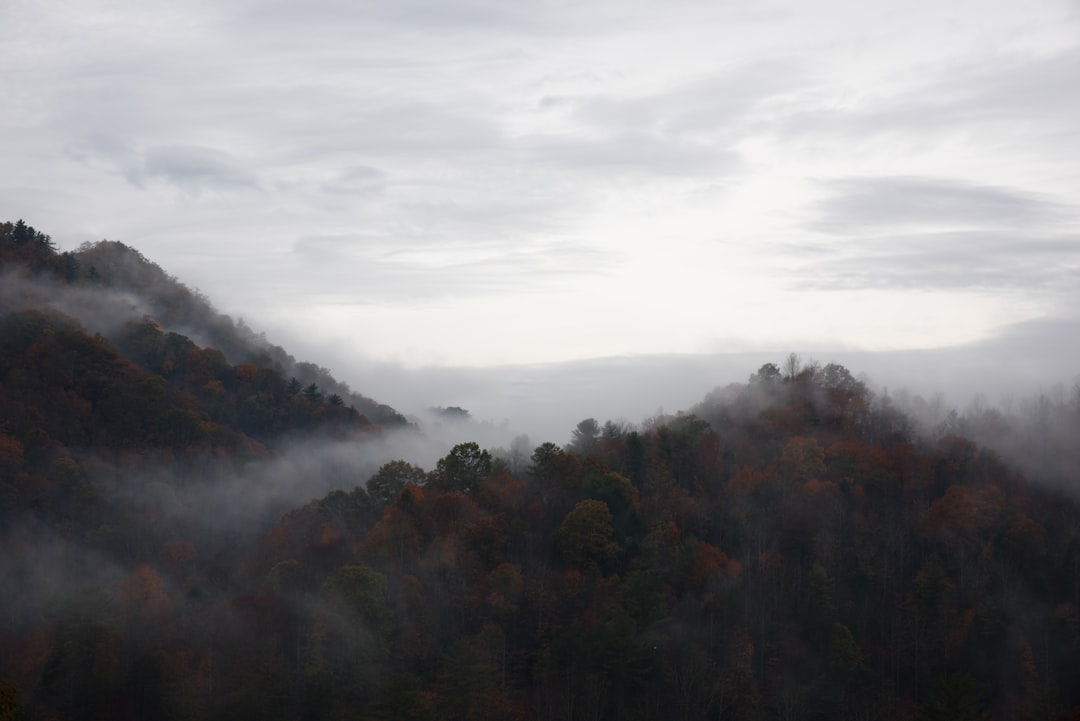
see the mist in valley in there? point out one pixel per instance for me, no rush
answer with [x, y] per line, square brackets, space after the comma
[174, 562]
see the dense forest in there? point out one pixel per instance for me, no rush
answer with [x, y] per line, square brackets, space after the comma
[793, 547]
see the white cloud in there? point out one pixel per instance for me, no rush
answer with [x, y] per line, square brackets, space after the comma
[599, 178]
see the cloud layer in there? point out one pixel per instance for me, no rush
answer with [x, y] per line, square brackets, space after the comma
[476, 183]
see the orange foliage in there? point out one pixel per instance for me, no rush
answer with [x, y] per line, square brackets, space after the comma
[214, 388]
[411, 497]
[247, 372]
[953, 515]
[330, 536]
[11, 455]
[177, 552]
[144, 594]
[573, 583]
[746, 480]
[713, 564]
[273, 541]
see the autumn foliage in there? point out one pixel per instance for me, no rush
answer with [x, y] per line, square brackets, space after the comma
[790, 549]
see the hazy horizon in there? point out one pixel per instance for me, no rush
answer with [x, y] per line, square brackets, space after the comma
[546, 400]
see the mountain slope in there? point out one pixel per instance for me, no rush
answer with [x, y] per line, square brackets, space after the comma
[790, 548]
[114, 290]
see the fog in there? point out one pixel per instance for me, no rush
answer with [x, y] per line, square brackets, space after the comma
[1017, 393]
[545, 401]
[514, 404]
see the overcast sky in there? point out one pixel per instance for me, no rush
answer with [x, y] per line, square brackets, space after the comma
[475, 182]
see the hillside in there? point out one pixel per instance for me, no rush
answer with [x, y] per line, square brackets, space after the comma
[792, 547]
[115, 291]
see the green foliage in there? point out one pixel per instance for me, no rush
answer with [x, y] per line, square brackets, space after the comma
[802, 459]
[584, 437]
[954, 699]
[543, 459]
[361, 591]
[836, 377]
[844, 653]
[391, 477]
[283, 577]
[586, 536]
[462, 469]
[10, 703]
[822, 608]
[768, 373]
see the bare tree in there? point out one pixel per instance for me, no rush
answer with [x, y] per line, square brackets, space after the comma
[792, 366]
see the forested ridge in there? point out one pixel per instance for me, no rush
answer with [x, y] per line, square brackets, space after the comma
[793, 547]
[153, 320]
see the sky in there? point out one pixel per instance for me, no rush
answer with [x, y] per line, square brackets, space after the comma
[425, 184]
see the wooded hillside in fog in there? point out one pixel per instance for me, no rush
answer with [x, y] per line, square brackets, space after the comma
[792, 547]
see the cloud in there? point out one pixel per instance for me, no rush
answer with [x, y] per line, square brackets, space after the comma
[1023, 94]
[408, 154]
[357, 180]
[704, 103]
[643, 153]
[193, 167]
[948, 261]
[859, 205]
[423, 14]
[689, 129]
[372, 269]
[910, 232]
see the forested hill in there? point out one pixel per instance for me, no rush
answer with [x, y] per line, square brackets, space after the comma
[789, 550]
[157, 322]
[794, 547]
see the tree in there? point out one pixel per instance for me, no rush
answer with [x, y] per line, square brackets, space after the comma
[351, 631]
[363, 592]
[70, 267]
[462, 469]
[542, 458]
[10, 706]
[585, 538]
[391, 477]
[766, 374]
[802, 459]
[454, 414]
[518, 454]
[22, 232]
[844, 653]
[837, 377]
[792, 366]
[162, 687]
[583, 438]
[821, 612]
[143, 595]
[954, 699]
